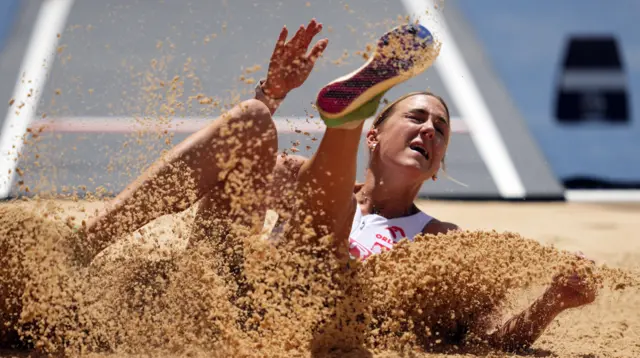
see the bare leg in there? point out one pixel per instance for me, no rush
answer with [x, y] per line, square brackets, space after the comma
[276, 191]
[326, 181]
[243, 140]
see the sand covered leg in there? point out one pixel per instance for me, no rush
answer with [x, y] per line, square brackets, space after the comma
[241, 140]
[325, 183]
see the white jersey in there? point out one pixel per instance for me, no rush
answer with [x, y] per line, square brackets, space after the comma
[372, 234]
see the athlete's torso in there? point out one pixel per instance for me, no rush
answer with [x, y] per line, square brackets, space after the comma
[373, 234]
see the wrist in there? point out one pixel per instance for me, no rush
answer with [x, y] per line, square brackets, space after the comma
[552, 302]
[267, 98]
[270, 91]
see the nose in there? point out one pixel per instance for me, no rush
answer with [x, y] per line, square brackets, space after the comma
[428, 131]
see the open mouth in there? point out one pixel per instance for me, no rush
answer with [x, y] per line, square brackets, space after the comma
[420, 150]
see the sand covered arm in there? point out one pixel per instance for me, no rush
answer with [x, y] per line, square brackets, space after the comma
[523, 329]
[565, 292]
[568, 290]
[271, 103]
[435, 227]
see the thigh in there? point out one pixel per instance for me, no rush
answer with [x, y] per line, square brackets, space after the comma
[222, 205]
[283, 187]
[212, 221]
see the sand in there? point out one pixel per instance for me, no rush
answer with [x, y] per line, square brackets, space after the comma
[606, 328]
[232, 294]
[606, 233]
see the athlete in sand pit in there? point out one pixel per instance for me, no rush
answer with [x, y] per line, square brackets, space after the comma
[407, 144]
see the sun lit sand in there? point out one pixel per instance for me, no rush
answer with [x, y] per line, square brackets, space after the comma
[605, 233]
[236, 295]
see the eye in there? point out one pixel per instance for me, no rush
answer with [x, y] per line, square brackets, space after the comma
[441, 125]
[415, 118]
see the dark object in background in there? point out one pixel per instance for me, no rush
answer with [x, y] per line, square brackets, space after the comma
[592, 86]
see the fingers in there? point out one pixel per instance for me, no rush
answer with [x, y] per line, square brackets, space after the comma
[317, 50]
[581, 255]
[281, 39]
[313, 29]
[303, 37]
[297, 39]
[579, 284]
[582, 287]
[575, 281]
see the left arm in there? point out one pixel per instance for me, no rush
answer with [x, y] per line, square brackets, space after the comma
[523, 329]
[436, 227]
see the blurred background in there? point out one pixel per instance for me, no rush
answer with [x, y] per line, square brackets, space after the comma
[543, 95]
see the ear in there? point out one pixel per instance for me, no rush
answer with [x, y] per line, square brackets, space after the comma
[372, 138]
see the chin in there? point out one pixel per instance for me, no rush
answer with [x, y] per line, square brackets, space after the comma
[415, 171]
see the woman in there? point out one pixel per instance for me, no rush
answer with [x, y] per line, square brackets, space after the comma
[407, 145]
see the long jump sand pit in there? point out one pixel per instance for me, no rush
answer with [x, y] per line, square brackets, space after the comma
[234, 295]
[160, 297]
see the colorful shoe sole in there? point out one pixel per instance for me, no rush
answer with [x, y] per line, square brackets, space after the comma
[401, 54]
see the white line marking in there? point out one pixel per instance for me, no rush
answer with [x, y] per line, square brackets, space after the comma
[182, 125]
[460, 84]
[603, 196]
[35, 67]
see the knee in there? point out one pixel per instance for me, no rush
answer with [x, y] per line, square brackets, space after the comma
[248, 124]
[258, 114]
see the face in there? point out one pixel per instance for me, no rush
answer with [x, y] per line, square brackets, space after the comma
[414, 138]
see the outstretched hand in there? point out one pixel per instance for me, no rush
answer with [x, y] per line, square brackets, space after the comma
[573, 290]
[291, 63]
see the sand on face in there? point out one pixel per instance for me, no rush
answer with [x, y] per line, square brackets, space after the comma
[608, 327]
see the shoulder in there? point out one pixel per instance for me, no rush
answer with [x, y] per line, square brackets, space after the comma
[436, 226]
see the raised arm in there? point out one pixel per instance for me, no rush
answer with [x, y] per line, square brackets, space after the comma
[290, 64]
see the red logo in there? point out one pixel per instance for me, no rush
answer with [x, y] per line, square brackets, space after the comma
[357, 251]
[384, 238]
[395, 229]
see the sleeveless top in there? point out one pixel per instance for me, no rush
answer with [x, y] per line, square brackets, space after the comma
[370, 234]
[373, 234]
